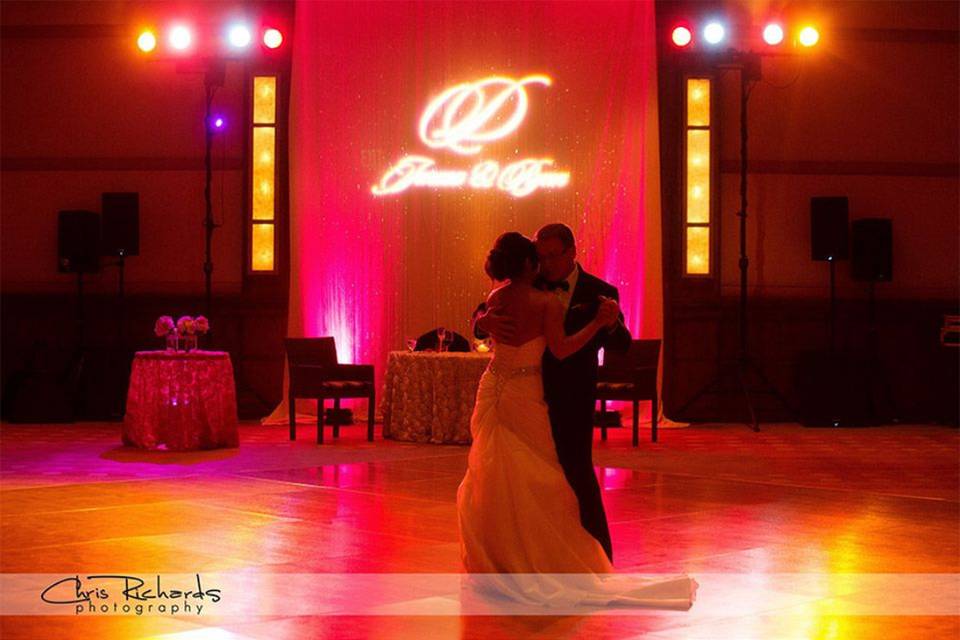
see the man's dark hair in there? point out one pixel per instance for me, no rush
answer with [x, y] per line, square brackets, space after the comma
[557, 230]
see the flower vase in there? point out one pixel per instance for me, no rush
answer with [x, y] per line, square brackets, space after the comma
[188, 342]
[173, 341]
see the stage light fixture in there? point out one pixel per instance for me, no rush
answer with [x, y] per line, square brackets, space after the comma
[773, 34]
[272, 38]
[239, 36]
[809, 36]
[681, 36]
[218, 123]
[147, 41]
[180, 37]
[714, 33]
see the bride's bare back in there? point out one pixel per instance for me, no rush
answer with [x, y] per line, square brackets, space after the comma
[536, 313]
[524, 305]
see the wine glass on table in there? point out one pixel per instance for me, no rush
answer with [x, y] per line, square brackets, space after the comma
[441, 338]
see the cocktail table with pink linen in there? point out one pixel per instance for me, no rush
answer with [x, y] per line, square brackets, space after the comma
[181, 401]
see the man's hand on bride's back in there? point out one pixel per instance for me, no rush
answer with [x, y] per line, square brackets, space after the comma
[502, 327]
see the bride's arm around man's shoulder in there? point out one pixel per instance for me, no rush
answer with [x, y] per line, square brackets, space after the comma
[491, 320]
[559, 343]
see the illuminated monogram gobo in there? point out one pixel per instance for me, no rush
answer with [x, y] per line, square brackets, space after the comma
[463, 119]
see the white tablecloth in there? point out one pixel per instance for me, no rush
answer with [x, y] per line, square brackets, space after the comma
[429, 396]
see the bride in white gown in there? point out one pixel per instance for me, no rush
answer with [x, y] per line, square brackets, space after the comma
[520, 531]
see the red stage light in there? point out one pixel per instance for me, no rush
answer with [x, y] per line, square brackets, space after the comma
[272, 38]
[681, 36]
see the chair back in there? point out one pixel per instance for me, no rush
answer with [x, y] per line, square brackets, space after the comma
[635, 365]
[430, 340]
[311, 351]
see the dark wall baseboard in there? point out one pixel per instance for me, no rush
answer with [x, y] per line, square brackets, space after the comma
[920, 377]
[908, 377]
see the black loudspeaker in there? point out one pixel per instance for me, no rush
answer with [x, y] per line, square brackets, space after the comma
[829, 239]
[121, 224]
[872, 241]
[78, 241]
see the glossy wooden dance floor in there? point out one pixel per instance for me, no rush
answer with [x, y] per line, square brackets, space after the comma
[731, 507]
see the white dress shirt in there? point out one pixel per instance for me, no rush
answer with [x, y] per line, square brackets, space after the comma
[565, 296]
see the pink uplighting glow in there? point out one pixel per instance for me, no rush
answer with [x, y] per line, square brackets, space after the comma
[373, 271]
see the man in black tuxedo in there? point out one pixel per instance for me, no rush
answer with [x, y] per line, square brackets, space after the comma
[570, 385]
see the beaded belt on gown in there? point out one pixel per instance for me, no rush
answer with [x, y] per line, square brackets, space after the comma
[511, 372]
[504, 373]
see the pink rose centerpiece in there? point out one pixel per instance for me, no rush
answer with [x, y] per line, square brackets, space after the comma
[189, 330]
[181, 335]
[164, 327]
[185, 326]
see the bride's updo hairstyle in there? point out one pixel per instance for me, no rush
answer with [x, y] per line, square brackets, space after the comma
[509, 255]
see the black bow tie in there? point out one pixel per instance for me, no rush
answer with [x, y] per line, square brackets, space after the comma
[553, 286]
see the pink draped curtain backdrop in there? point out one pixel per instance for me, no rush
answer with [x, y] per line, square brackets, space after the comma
[373, 271]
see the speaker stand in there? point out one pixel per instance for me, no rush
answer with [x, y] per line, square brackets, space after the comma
[121, 301]
[833, 305]
[123, 354]
[79, 328]
[75, 369]
[877, 372]
[213, 78]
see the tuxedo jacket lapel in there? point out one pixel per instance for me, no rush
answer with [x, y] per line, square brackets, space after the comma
[582, 298]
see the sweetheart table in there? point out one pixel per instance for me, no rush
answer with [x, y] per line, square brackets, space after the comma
[429, 396]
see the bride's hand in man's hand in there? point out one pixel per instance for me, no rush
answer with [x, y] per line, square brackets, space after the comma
[502, 327]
